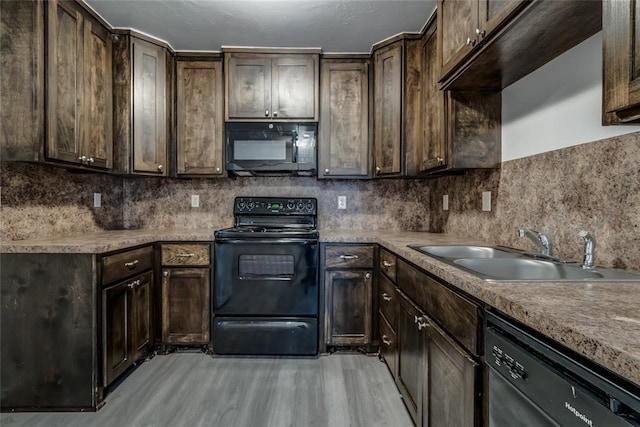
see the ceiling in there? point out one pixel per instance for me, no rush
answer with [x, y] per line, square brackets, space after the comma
[206, 25]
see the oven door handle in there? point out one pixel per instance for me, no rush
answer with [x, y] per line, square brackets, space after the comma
[276, 241]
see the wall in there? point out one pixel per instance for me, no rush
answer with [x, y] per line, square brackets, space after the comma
[558, 105]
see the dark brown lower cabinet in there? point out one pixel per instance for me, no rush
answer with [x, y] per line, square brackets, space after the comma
[127, 324]
[348, 303]
[412, 358]
[185, 305]
[388, 345]
[450, 383]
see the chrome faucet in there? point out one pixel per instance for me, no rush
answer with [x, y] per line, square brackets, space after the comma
[589, 245]
[539, 239]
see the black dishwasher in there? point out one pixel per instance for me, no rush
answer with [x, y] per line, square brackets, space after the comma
[533, 383]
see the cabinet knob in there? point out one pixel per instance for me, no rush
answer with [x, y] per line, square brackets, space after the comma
[440, 160]
[386, 340]
[386, 296]
[266, 113]
[90, 160]
[275, 114]
[160, 167]
[217, 169]
[326, 171]
[367, 276]
[480, 33]
[165, 273]
[471, 42]
[387, 264]
[378, 170]
[82, 158]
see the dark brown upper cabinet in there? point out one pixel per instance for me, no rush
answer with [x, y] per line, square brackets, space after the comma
[199, 118]
[397, 110]
[621, 67]
[266, 86]
[344, 119]
[490, 44]
[142, 81]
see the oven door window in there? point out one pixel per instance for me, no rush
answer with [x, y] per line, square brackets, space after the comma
[272, 267]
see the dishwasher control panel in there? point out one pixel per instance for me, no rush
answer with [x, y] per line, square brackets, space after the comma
[502, 358]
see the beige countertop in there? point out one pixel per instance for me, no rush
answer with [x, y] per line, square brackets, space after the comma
[598, 320]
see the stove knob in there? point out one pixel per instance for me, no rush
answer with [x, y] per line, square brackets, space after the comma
[300, 206]
[290, 206]
[241, 205]
[251, 205]
[309, 206]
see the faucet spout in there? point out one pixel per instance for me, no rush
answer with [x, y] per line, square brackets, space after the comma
[539, 239]
[589, 245]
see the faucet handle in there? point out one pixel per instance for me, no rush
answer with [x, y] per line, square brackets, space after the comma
[589, 246]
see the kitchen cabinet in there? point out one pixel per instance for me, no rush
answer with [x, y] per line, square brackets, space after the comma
[397, 109]
[79, 87]
[142, 83]
[344, 119]
[348, 281]
[465, 24]
[127, 310]
[621, 61]
[199, 117]
[185, 294]
[271, 86]
[462, 129]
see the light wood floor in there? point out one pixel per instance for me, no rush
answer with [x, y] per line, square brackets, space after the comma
[193, 389]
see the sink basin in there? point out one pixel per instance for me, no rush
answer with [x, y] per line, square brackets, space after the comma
[452, 252]
[524, 269]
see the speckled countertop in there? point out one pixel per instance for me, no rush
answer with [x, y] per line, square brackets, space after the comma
[598, 320]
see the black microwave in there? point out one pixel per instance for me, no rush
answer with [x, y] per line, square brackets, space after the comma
[271, 148]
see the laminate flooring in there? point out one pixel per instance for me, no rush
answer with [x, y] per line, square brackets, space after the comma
[193, 389]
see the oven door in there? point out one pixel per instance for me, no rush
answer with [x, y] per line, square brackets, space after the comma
[270, 277]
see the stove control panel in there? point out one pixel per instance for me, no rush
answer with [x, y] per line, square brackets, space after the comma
[275, 206]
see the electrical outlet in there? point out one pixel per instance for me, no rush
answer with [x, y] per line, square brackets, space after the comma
[445, 202]
[195, 201]
[97, 200]
[486, 201]
[342, 202]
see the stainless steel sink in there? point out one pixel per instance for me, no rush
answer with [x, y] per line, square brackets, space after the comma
[453, 252]
[503, 264]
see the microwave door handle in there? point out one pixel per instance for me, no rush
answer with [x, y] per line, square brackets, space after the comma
[294, 146]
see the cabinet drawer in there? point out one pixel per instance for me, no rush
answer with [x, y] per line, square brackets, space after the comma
[456, 314]
[125, 264]
[185, 254]
[388, 300]
[389, 346]
[388, 264]
[348, 256]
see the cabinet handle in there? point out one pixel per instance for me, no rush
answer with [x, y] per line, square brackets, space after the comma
[131, 264]
[185, 255]
[386, 296]
[415, 319]
[134, 284]
[165, 273]
[90, 160]
[387, 264]
[82, 159]
[386, 340]
[440, 160]
[367, 276]
[160, 167]
[266, 113]
[378, 170]
[480, 33]
[421, 325]
[326, 171]
[275, 114]
[471, 42]
[345, 257]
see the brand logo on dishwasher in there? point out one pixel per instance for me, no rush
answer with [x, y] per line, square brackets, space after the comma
[578, 414]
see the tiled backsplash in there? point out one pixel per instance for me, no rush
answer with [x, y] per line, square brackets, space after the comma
[594, 186]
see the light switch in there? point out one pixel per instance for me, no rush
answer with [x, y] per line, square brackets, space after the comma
[445, 202]
[195, 201]
[486, 201]
[97, 200]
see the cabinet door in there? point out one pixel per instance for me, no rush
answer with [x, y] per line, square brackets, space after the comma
[97, 146]
[294, 87]
[457, 24]
[451, 383]
[388, 345]
[116, 308]
[185, 306]
[348, 307]
[200, 122]
[493, 13]
[621, 61]
[388, 110]
[344, 119]
[141, 315]
[248, 87]
[412, 358]
[149, 108]
[433, 153]
[65, 81]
